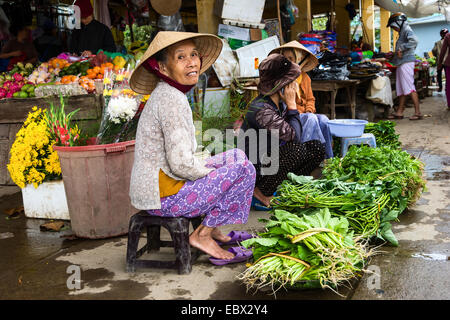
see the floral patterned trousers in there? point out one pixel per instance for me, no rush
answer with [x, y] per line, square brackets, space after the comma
[224, 196]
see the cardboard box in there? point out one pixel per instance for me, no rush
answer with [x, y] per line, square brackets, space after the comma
[255, 34]
[250, 11]
[251, 56]
[227, 32]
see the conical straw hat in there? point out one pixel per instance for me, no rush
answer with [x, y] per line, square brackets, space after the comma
[209, 46]
[310, 62]
[166, 7]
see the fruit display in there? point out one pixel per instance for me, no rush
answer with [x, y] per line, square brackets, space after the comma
[44, 73]
[75, 75]
[20, 68]
[27, 91]
[15, 86]
[77, 68]
[98, 72]
[119, 62]
[87, 84]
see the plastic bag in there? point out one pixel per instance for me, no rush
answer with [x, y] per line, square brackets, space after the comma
[380, 91]
[171, 23]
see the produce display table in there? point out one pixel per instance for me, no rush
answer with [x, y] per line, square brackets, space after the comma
[332, 86]
[13, 113]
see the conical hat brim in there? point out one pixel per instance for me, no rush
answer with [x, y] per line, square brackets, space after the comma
[209, 46]
[310, 63]
[166, 7]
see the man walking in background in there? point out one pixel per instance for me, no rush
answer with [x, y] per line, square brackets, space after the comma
[436, 52]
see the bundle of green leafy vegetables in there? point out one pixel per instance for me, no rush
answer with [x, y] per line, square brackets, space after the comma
[397, 172]
[365, 206]
[315, 250]
[384, 132]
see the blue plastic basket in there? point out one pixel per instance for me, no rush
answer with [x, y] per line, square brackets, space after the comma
[347, 128]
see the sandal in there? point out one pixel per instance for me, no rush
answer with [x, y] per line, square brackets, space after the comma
[416, 117]
[240, 255]
[393, 116]
[236, 238]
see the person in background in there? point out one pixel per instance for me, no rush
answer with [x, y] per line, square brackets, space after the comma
[444, 63]
[274, 113]
[48, 45]
[4, 33]
[93, 34]
[436, 52]
[314, 126]
[405, 60]
[19, 48]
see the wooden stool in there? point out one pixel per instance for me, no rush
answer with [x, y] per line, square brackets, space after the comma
[179, 232]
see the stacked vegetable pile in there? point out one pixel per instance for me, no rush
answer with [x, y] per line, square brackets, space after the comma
[320, 229]
[365, 206]
[397, 172]
[310, 251]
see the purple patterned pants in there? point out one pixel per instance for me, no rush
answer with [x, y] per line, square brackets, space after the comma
[224, 196]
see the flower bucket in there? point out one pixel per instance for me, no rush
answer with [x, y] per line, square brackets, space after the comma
[47, 201]
[96, 180]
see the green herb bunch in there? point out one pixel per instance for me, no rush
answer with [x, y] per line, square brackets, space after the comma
[384, 132]
[397, 173]
[315, 250]
[365, 206]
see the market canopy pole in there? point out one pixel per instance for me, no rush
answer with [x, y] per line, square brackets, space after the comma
[279, 22]
[303, 23]
[207, 21]
[368, 19]
[385, 33]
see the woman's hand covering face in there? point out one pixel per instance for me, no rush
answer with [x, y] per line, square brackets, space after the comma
[289, 95]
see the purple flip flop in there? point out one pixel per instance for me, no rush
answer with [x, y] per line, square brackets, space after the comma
[236, 238]
[240, 255]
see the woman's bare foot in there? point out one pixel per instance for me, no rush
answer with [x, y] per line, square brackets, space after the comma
[264, 199]
[201, 239]
[217, 235]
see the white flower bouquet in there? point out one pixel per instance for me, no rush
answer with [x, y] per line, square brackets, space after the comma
[121, 109]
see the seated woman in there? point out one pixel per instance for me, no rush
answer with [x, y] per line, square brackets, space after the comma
[167, 179]
[275, 110]
[315, 126]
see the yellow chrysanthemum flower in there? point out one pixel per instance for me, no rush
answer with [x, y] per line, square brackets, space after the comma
[32, 158]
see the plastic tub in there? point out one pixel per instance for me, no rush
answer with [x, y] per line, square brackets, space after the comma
[96, 181]
[47, 201]
[347, 128]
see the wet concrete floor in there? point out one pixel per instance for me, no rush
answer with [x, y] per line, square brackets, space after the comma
[38, 265]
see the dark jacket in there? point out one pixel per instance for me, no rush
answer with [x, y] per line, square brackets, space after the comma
[92, 37]
[263, 113]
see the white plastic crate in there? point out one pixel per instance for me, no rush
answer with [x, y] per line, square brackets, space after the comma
[250, 11]
[258, 50]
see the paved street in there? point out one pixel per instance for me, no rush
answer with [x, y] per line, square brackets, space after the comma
[33, 264]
